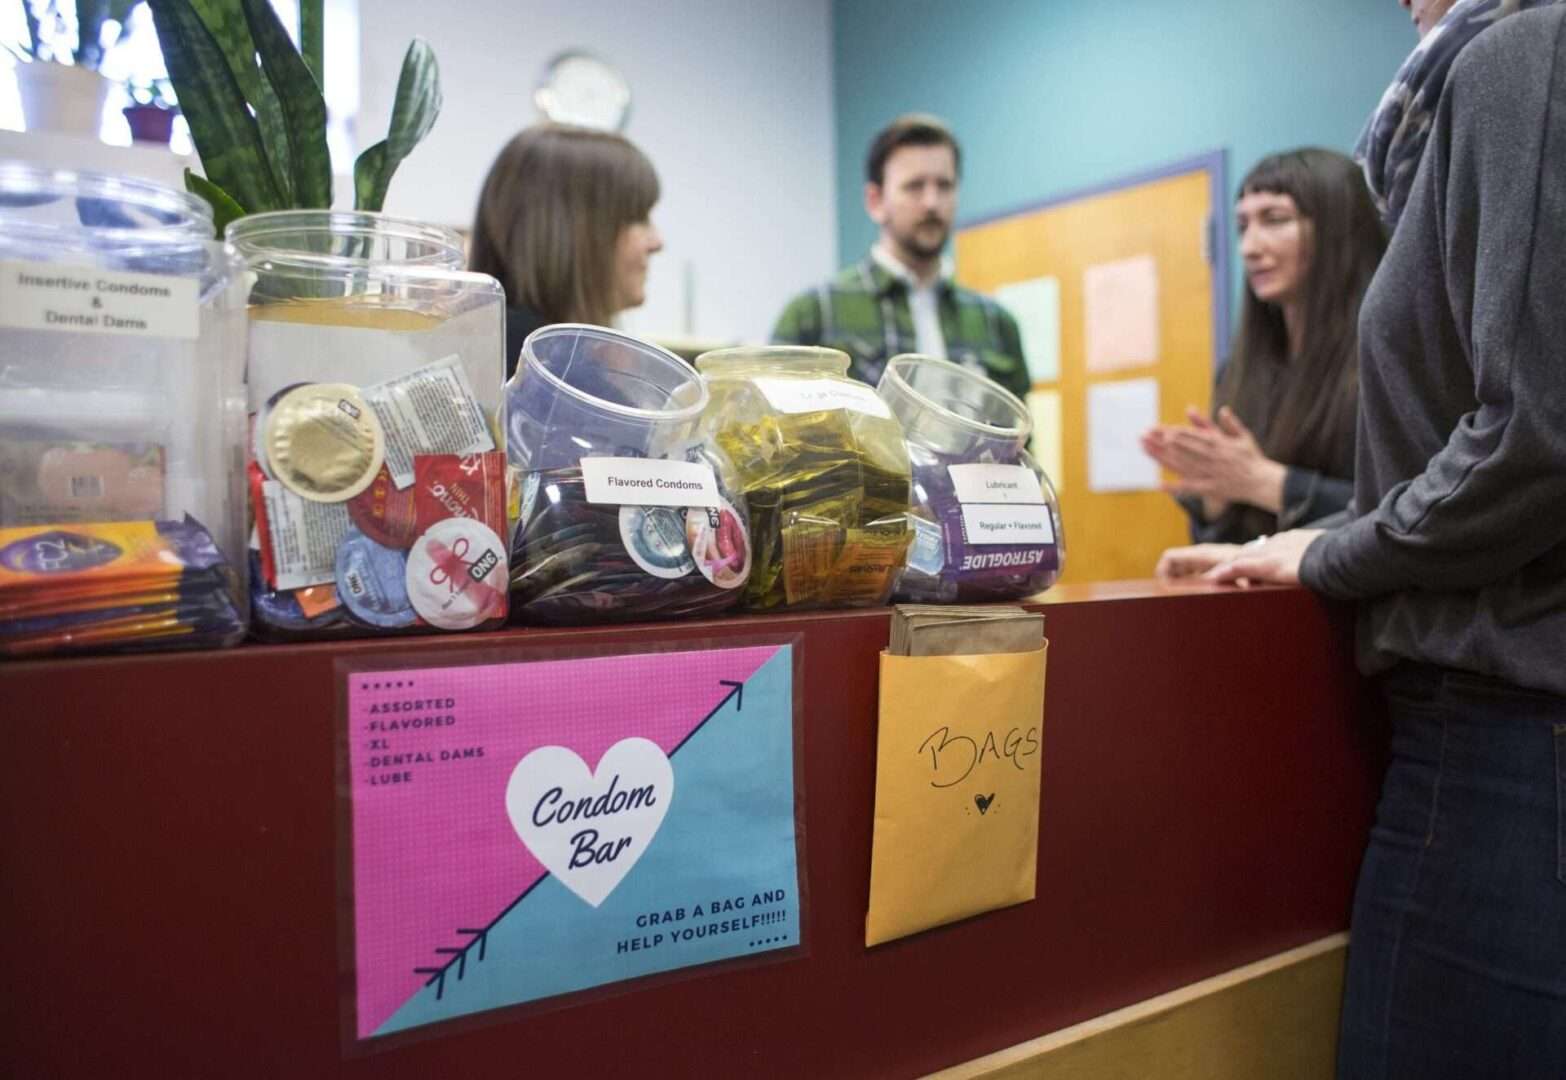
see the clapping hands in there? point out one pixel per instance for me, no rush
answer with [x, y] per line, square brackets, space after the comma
[1218, 461]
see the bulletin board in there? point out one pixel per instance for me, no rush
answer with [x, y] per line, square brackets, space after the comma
[1121, 292]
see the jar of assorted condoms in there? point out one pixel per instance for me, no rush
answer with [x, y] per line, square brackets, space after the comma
[121, 418]
[986, 520]
[626, 512]
[377, 478]
[823, 469]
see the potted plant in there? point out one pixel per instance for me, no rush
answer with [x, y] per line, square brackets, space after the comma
[58, 77]
[256, 114]
[151, 111]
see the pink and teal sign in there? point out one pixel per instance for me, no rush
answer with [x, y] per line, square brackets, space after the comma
[526, 830]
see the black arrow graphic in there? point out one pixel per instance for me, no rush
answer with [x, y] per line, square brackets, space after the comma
[462, 959]
[459, 956]
[436, 975]
[739, 702]
[483, 938]
[736, 690]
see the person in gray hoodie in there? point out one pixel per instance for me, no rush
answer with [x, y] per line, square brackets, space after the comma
[1455, 548]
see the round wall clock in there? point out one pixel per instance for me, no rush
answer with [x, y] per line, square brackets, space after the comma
[581, 89]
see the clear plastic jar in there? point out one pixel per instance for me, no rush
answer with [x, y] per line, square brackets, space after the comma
[122, 353]
[987, 519]
[376, 471]
[625, 511]
[824, 470]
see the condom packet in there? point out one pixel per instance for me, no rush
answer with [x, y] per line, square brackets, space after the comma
[114, 585]
[51, 480]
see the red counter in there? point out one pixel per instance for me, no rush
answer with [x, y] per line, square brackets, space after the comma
[168, 854]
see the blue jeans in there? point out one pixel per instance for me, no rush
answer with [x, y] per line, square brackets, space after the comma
[1457, 951]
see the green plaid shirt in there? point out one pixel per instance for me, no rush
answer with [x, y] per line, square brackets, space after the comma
[864, 311]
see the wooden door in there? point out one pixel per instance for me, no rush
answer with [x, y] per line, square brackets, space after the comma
[1167, 217]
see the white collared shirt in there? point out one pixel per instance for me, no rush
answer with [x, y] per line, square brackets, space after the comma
[923, 302]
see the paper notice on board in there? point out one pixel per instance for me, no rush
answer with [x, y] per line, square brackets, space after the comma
[1035, 304]
[1044, 407]
[1120, 314]
[1118, 414]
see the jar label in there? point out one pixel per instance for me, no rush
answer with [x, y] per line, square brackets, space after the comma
[819, 395]
[625, 481]
[996, 484]
[993, 529]
[84, 300]
[1007, 524]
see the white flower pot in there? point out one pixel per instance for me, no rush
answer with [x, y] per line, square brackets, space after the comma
[62, 97]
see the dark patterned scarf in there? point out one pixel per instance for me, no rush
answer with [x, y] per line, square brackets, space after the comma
[1394, 140]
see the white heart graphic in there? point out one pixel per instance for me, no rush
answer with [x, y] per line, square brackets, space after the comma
[590, 828]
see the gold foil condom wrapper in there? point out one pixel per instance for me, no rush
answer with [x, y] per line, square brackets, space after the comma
[323, 441]
[828, 495]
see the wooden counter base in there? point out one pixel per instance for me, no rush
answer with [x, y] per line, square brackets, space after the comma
[168, 853]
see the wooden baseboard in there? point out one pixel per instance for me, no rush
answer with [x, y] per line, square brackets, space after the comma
[1276, 1018]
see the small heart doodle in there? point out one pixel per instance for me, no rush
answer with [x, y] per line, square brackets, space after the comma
[983, 802]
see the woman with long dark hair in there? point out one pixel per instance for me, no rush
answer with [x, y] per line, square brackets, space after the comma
[1279, 450]
[563, 225]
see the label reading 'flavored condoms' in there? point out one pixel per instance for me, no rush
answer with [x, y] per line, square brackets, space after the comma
[625, 481]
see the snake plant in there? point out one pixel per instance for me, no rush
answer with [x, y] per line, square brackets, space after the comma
[256, 113]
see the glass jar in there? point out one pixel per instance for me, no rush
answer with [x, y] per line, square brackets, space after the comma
[824, 471]
[376, 470]
[987, 519]
[625, 511]
[122, 354]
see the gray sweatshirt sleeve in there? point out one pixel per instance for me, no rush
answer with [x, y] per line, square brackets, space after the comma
[1494, 497]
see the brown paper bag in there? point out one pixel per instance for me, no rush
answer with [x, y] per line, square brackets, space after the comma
[956, 788]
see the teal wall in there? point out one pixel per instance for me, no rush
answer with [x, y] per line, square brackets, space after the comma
[1048, 96]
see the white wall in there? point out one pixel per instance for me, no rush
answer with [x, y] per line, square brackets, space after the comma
[731, 99]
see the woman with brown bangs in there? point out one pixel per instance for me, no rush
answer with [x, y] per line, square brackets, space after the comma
[1279, 450]
[563, 225]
